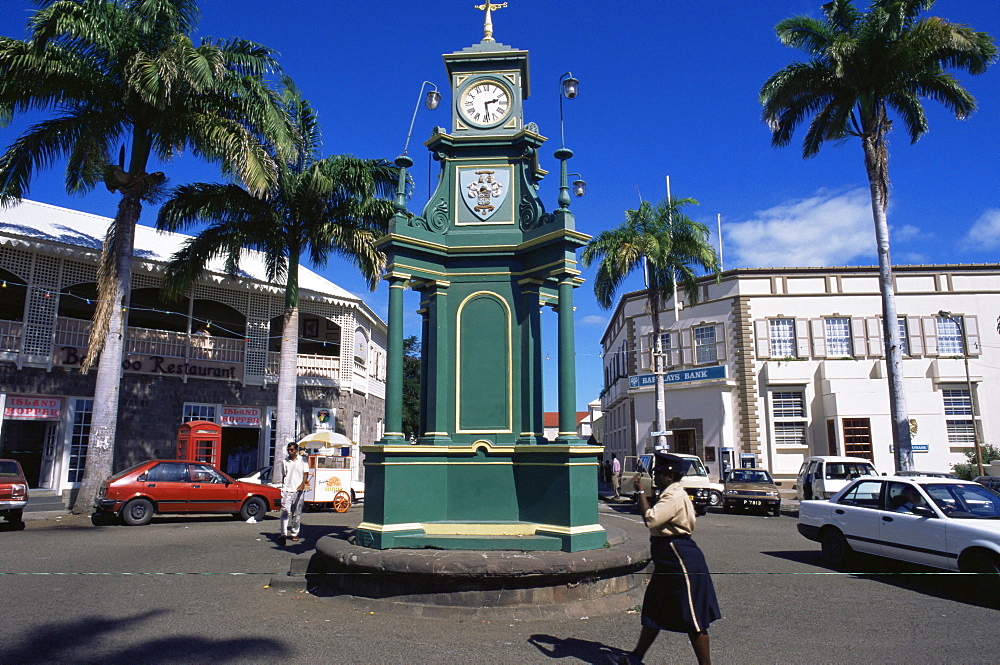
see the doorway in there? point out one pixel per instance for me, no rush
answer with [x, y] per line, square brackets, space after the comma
[240, 450]
[684, 441]
[24, 441]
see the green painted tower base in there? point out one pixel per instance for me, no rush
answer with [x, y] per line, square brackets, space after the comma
[482, 497]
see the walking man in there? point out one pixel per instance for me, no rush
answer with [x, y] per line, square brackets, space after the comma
[294, 478]
[616, 473]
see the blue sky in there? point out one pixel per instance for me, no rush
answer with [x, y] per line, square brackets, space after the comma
[667, 87]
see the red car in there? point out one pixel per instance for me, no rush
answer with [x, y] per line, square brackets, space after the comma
[13, 492]
[172, 486]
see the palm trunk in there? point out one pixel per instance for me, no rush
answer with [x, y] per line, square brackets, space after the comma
[104, 419]
[877, 168]
[288, 362]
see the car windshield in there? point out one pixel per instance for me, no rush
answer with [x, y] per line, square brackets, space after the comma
[9, 469]
[964, 501]
[694, 467]
[749, 476]
[127, 471]
[848, 470]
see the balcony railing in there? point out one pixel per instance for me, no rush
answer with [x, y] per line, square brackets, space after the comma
[309, 366]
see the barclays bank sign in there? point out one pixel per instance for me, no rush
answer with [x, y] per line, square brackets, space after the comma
[680, 376]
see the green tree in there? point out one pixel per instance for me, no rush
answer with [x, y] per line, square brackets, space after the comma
[970, 469]
[668, 245]
[316, 208]
[411, 387]
[864, 64]
[123, 78]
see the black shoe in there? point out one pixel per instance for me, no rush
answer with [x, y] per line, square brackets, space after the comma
[282, 540]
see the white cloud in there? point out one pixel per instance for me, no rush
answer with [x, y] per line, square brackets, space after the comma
[905, 233]
[828, 229]
[985, 231]
[594, 320]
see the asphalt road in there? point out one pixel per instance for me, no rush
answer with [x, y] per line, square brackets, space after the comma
[195, 590]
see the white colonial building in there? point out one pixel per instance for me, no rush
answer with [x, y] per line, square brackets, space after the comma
[211, 356]
[776, 364]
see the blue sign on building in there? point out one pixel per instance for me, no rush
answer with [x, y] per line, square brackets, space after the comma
[680, 376]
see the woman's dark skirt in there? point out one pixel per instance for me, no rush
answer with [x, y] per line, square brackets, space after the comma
[680, 596]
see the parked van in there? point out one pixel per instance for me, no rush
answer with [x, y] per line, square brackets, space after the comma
[695, 481]
[821, 477]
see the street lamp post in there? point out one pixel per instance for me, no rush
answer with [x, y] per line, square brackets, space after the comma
[968, 382]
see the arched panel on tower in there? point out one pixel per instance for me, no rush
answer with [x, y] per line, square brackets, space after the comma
[484, 364]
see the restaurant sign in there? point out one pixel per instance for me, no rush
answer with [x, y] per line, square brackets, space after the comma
[241, 416]
[139, 363]
[24, 407]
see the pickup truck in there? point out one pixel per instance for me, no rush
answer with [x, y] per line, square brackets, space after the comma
[940, 522]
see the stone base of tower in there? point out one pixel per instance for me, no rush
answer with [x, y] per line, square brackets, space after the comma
[481, 496]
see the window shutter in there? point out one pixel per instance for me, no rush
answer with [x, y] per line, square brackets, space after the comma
[644, 352]
[762, 339]
[687, 352]
[915, 337]
[858, 337]
[721, 344]
[801, 338]
[972, 335]
[874, 327]
[930, 335]
[818, 338]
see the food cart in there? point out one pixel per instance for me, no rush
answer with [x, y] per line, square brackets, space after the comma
[335, 469]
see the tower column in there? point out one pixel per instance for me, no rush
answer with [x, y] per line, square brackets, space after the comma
[567, 363]
[394, 374]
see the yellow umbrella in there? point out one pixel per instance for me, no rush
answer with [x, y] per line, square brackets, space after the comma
[323, 439]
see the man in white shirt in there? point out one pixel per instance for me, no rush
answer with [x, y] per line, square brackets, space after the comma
[294, 479]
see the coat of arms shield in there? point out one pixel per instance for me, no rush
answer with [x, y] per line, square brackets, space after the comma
[484, 190]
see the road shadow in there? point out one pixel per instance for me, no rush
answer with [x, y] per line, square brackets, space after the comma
[96, 639]
[584, 651]
[965, 588]
[308, 535]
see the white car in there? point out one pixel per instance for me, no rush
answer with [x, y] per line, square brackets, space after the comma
[939, 522]
[823, 476]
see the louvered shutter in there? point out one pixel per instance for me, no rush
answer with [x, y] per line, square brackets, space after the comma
[687, 357]
[874, 328]
[801, 338]
[762, 340]
[972, 336]
[915, 336]
[858, 337]
[721, 343]
[818, 338]
[929, 325]
[645, 357]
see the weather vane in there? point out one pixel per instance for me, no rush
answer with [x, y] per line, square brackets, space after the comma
[488, 7]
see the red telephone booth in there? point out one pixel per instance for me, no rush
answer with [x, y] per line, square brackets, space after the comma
[200, 441]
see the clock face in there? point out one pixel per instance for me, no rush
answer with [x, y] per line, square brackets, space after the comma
[485, 102]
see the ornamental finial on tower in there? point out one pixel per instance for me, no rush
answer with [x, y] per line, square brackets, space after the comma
[488, 7]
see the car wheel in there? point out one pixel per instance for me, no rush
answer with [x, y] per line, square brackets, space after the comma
[254, 507]
[700, 510]
[341, 502]
[102, 518]
[835, 548]
[987, 583]
[137, 512]
[727, 507]
[777, 510]
[715, 498]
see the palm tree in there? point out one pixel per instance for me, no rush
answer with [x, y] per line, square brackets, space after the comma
[124, 76]
[862, 65]
[667, 244]
[318, 207]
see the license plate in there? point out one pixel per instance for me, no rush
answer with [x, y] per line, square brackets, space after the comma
[753, 502]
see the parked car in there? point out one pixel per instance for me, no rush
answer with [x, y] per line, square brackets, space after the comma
[13, 492]
[751, 488]
[989, 482]
[173, 486]
[703, 492]
[820, 477]
[939, 522]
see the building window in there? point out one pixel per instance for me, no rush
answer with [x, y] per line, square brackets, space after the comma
[961, 429]
[904, 341]
[788, 408]
[949, 337]
[666, 350]
[782, 337]
[83, 410]
[838, 337]
[858, 438]
[704, 344]
[198, 412]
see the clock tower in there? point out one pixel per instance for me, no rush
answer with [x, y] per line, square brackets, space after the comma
[486, 259]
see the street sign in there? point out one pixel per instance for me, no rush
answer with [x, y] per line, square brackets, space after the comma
[663, 433]
[679, 376]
